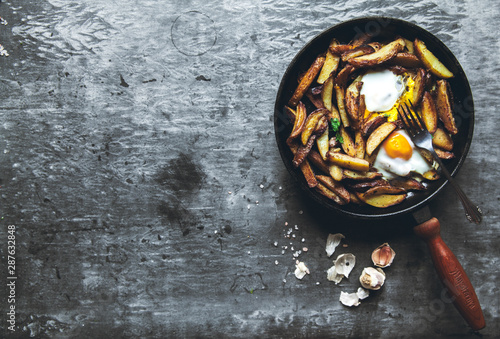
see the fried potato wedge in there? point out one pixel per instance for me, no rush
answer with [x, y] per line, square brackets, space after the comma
[348, 144]
[310, 124]
[430, 60]
[372, 123]
[363, 186]
[334, 186]
[379, 135]
[315, 99]
[305, 166]
[331, 64]
[378, 190]
[326, 94]
[322, 189]
[361, 176]
[442, 154]
[359, 144]
[346, 161]
[303, 151]
[340, 93]
[408, 184]
[323, 144]
[443, 106]
[336, 172]
[316, 159]
[343, 75]
[352, 100]
[299, 123]
[382, 200]
[428, 112]
[358, 51]
[443, 140]
[406, 59]
[306, 81]
[419, 87]
[431, 174]
[385, 53]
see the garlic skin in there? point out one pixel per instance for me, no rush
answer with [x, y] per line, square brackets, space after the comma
[342, 267]
[383, 256]
[372, 278]
[301, 270]
[332, 242]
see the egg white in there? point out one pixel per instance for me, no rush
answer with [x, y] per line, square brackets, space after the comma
[394, 167]
[381, 90]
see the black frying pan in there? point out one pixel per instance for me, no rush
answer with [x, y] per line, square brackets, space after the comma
[382, 28]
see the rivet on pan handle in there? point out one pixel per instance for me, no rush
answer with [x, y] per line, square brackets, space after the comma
[452, 274]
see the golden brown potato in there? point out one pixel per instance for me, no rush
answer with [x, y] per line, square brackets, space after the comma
[323, 144]
[340, 93]
[361, 176]
[358, 51]
[326, 94]
[442, 140]
[418, 89]
[303, 151]
[310, 124]
[382, 55]
[331, 64]
[343, 75]
[429, 113]
[352, 100]
[406, 59]
[348, 143]
[359, 144]
[408, 184]
[379, 135]
[430, 61]
[378, 190]
[431, 174]
[382, 200]
[316, 159]
[346, 161]
[306, 81]
[372, 123]
[335, 187]
[329, 194]
[336, 172]
[300, 119]
[443, 106]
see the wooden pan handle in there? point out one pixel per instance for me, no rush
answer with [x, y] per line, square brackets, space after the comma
[452, 274]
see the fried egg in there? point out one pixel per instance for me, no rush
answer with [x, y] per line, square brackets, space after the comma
[384, 90]
[398, 156]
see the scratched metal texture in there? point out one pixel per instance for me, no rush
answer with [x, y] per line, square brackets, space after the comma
[138, 163]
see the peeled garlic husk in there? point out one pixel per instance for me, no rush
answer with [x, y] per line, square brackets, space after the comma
[342, 267]
[383, 256]
[345, 263]
[362, 293]
[332, 242]
[372, 278]
[349, 299]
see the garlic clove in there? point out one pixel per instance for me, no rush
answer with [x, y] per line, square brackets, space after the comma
[372, 278]
[383, 256]
[301, 270]
[332, 242]
[345, 263]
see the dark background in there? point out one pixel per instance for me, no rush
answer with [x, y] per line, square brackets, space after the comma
[139, 165]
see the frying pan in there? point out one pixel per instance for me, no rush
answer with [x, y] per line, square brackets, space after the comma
[386, 29]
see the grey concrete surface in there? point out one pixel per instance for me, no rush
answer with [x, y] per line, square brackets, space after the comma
[139, 167]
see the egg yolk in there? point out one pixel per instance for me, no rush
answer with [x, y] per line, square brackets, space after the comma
[397, 146]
